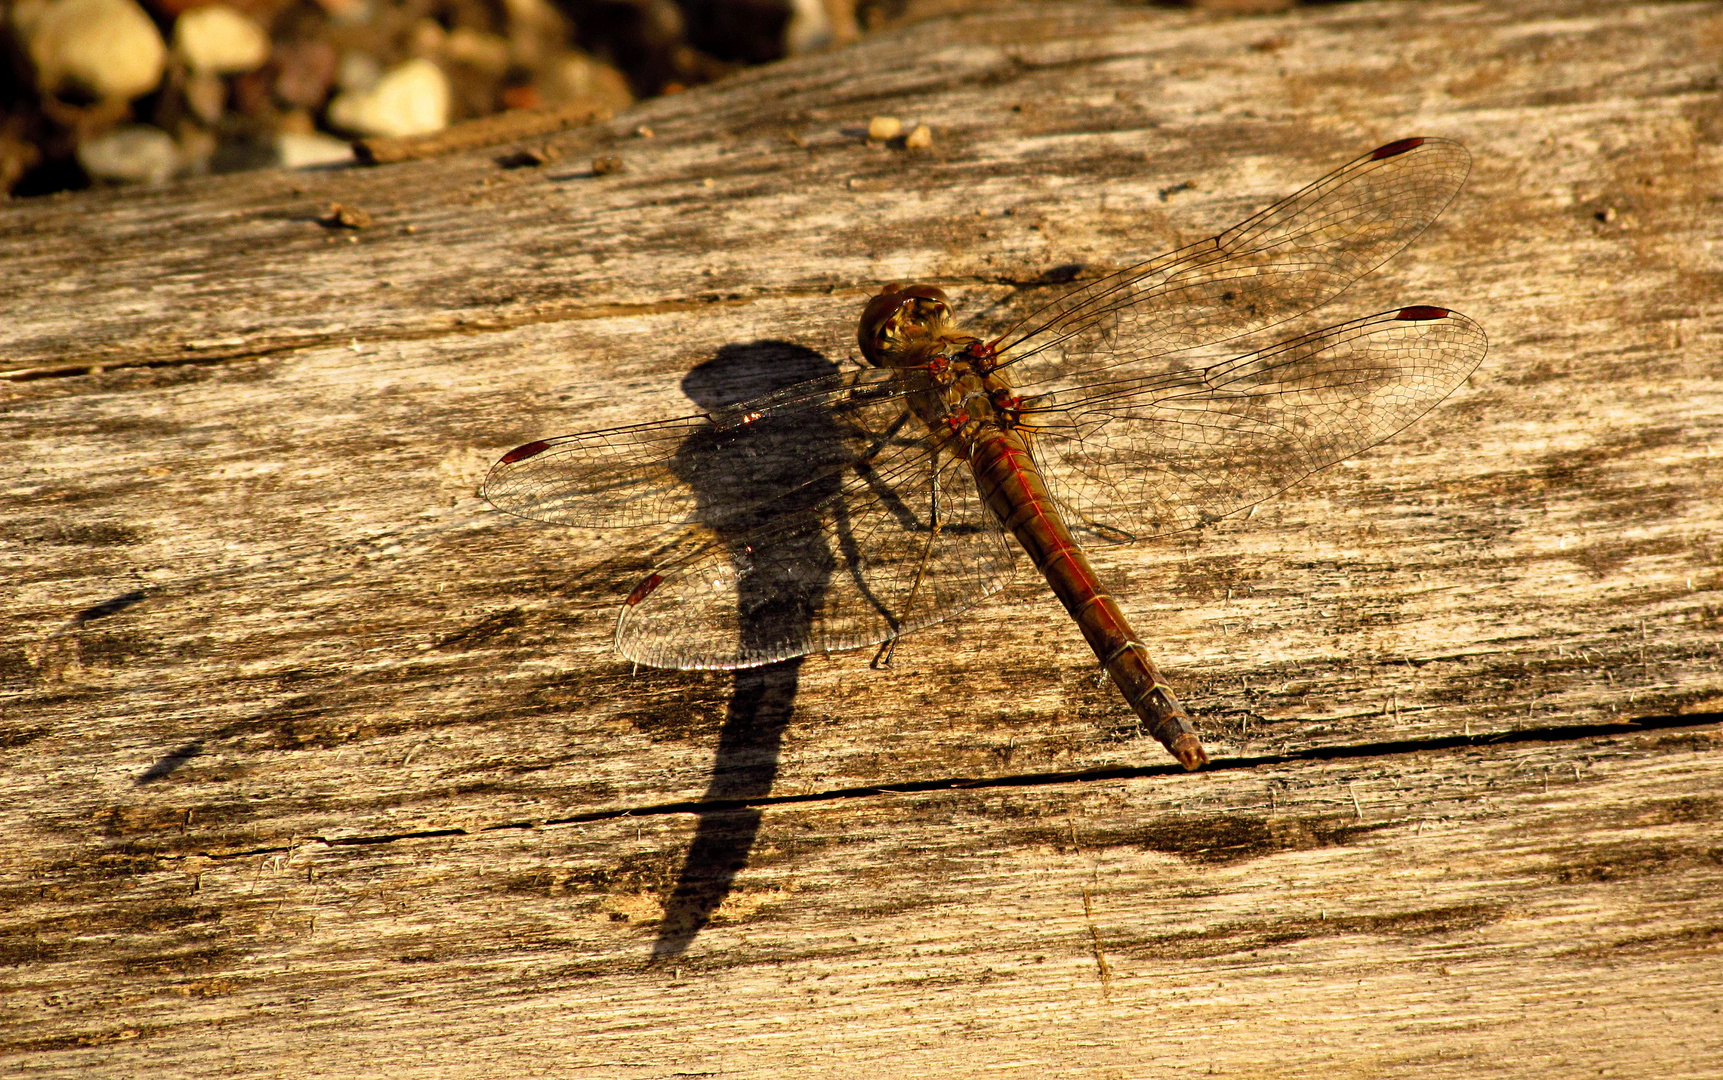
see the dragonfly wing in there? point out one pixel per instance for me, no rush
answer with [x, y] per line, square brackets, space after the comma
[1144, 456]
[898, 547]
[1286, 260]
[703, 468]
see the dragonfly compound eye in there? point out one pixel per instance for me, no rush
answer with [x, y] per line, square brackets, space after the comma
[896, 315]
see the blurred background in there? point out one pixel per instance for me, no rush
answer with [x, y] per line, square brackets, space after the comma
[100, 92]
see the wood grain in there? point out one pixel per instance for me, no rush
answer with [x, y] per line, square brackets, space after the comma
[314, 766]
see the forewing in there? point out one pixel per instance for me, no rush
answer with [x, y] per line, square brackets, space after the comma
[1286, 260]
[1142, 457]
[895, 549]
[710, 468]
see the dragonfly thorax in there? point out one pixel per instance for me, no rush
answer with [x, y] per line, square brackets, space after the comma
[910, 329]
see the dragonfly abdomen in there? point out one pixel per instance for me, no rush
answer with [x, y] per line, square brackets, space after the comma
[1012, 486]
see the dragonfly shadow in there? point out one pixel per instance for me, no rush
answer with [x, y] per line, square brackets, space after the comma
[763, 698]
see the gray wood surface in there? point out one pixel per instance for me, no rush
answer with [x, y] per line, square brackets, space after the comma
[313, 767]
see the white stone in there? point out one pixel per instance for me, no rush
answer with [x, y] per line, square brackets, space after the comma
[300, 150]
[809, 27]
[411, 99]
[219, 40]
[137, 154]
[108, 48]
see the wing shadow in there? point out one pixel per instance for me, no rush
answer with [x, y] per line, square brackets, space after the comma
[763, 698]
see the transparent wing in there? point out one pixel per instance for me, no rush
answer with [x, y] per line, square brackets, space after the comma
[826, 516]
[1286, 260]
[715, 468]
[896, 548]
[1135, 458]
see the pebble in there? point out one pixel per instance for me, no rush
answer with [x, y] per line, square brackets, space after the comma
[486, 52]
[574, 77]
[136, 154]
[809, 27]
[919, 139]
[347, 217]
[240, 83]
[305, 70]
[206, 95]
[106, 48]
[535, 28]
[304, 150]
[427, 38]
[521, 97]
[884, 128]
[411, 99]
[220, 41]
[197, 148]
[348, 12]
[357, 70]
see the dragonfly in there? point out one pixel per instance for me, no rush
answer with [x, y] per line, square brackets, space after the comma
[850, 509]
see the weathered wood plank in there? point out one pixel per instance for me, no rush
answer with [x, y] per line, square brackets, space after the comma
[218, 853]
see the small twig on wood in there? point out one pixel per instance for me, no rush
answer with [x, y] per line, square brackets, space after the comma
[1095, 941]
[487, 131]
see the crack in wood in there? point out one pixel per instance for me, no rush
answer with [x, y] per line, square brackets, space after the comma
[226, 350]
[1353, 751]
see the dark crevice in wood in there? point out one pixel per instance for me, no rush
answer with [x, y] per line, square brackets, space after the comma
[1388, 748]
[230, 351]
[458, 326]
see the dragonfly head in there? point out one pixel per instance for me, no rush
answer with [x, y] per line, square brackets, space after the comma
[899, 318]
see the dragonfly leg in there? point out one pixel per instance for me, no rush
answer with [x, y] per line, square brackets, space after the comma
[864, 468]
[882, 658]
